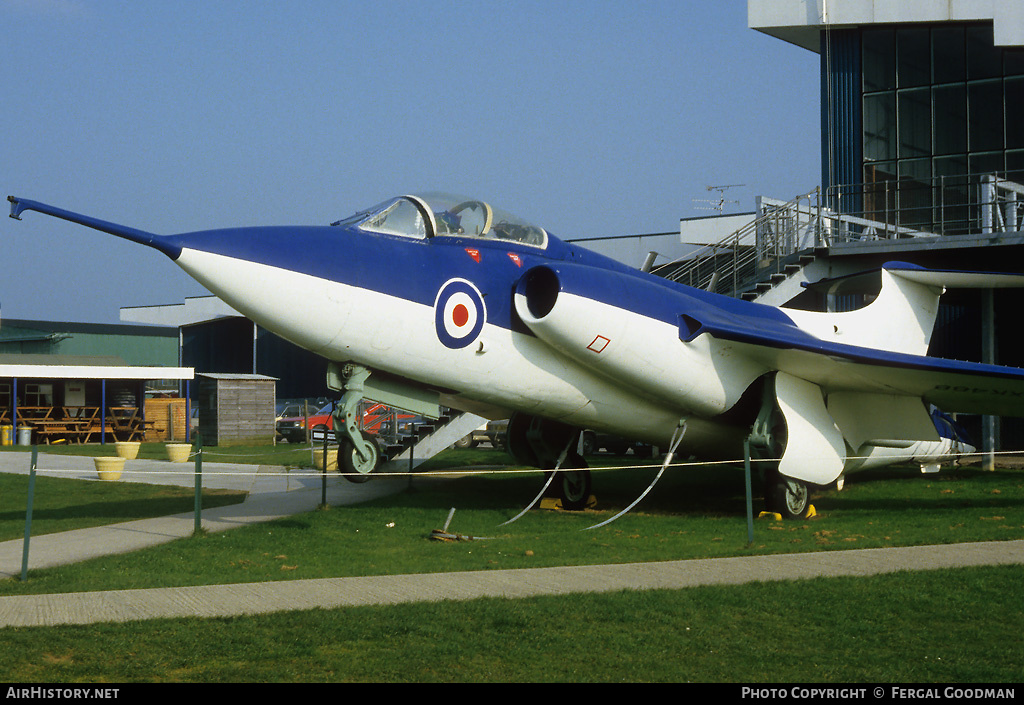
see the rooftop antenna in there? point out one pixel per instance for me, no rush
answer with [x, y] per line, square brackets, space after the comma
[719, 203]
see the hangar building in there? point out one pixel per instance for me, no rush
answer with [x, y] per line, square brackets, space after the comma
[215, 338]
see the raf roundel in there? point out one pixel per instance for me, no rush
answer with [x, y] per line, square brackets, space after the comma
[459, 313]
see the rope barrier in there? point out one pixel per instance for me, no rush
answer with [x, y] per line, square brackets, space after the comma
[489, 470]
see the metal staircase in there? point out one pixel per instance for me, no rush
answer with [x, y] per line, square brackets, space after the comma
[769, 254]
[428, 439]
[404, 449]
[768, 259]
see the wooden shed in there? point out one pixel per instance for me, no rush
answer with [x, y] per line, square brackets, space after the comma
[235, 409]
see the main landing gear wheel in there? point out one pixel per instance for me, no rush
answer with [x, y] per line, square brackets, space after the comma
[573, 487]
[786, 496]
[357, 466]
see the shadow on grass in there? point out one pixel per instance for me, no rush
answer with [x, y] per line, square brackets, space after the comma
[127, 510]
[719, 490]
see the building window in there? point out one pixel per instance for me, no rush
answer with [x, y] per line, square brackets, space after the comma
[879, 51]
[941, 107]
[879, 127]
[1014, 113]
[985, 116]
[914, 111]
[913, 58]
[1015, 165]
[38, 395]
[984, 60]
[949, 55]
[950, 119]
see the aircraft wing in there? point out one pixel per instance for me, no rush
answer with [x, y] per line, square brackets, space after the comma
[835, 396]
[952, 385]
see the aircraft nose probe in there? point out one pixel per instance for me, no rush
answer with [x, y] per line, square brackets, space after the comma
[168, 245]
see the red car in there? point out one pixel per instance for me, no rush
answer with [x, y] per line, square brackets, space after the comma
[376, 419]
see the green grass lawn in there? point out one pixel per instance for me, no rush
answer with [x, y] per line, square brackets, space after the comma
[282, 454]
[954, 626]
[689, 514]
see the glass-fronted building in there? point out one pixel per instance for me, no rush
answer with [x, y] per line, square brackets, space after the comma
[922, 104]
[941, 108]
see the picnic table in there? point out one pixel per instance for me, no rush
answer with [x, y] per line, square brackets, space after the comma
[49, 430]
[50, 425]
[127, 424]
[82, 424]
[29, 414]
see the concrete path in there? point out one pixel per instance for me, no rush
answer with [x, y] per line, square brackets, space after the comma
[274, 494]
[260, 598]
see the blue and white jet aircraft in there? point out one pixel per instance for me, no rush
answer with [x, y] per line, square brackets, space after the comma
[432, 300]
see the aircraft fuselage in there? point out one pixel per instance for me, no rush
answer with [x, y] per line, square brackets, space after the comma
[379, 300]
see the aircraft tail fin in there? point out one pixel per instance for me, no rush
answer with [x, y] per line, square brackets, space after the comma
[902, 317]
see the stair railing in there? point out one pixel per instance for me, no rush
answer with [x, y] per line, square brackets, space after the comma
[758, 249]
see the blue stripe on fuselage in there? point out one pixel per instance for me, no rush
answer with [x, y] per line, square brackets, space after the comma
[414, 270]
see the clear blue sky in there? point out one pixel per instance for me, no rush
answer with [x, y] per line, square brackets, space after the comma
[591, 118]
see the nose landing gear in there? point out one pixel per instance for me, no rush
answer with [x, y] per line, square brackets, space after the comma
[358, 453]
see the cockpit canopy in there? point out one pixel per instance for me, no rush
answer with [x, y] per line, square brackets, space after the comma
[435, 214]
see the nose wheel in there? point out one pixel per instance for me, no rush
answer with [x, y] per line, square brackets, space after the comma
[358, 462]
[358, 452]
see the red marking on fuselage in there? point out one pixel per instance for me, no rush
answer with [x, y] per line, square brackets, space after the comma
[598, 344]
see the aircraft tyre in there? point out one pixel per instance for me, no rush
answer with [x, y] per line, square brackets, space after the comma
[357, 469]
[786, 496]
[574, 489]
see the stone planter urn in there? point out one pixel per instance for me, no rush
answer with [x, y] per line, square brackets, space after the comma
[129, 450]
[178, 452]
[109, 469]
